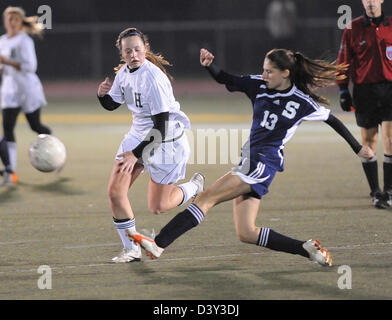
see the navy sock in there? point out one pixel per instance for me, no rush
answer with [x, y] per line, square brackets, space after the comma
[371, 172]
[387, 167]
[4, 155]
[181, 223]
[275, 241]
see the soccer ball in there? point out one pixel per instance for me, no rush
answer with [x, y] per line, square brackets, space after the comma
[47, 153]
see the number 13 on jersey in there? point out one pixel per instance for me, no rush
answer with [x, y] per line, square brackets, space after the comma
[270, 119]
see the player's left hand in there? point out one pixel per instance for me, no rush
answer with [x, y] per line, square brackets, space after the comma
[127, 162]
[366, 152]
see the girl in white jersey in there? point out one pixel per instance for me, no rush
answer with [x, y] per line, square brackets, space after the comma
[21, 88]
[156, 140]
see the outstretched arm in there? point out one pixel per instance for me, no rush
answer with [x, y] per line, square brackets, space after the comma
[220, 76]
[341, 129]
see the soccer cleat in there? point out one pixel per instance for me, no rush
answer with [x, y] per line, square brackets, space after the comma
[149, 245]
[388, 196]
[317, 253]
[379, 200]
[128, 255]
[198, 179]
[9, 178]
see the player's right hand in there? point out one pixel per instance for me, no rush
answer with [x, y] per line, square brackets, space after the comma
[366, 152]
[346, 102]
[104, 87]
[206, 57]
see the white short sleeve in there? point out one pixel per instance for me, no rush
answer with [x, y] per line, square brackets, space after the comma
[115, 92]
[320, 114]
[28, 56]
[160, 95]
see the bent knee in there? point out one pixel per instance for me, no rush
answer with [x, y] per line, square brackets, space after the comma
[157, 208]
[245, 237]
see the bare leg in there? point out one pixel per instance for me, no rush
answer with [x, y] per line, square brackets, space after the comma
[386, 129]
[119, 184]
[370, 138]
[163, 197]
[224, 189]
[245, 210]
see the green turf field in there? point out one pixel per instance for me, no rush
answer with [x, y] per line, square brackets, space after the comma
[64, 221]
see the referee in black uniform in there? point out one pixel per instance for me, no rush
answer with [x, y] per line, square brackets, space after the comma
[367, 47]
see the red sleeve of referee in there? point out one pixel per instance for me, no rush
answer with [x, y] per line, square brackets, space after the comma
[345, 56]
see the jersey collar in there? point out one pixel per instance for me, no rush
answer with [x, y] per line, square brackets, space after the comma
[135, 69]
[366, 20]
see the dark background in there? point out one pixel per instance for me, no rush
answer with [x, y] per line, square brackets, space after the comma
[80, 44]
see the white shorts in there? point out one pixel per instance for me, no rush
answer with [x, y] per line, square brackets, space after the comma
[166, 163]
[28, 96]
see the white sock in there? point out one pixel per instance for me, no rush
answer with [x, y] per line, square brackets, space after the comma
[121, 227]
[13, 154]
[189, 189]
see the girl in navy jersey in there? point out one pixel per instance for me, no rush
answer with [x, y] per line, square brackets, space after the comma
[281, 100]
[156, 140]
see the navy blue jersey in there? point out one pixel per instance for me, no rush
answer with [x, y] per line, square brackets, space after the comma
[276, 116]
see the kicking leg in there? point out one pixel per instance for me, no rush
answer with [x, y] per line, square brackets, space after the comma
[226, 188]
[245, 211]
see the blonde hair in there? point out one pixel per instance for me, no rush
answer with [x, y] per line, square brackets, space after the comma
[155, 58]
[29, 24]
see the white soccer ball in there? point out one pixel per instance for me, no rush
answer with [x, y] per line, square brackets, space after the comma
[47, 153]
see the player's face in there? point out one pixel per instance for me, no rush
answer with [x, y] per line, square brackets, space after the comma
[12, 23]
[373, 7]
[275, 78]
[133, 51]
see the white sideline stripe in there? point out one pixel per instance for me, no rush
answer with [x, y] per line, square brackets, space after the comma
[19, 242]
[119, 244]
[93, 245]
[146, 260]
[356, 246]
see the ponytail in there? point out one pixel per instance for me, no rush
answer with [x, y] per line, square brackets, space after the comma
[159, 61]
[154, 58]
[29, 24]
[306, 73]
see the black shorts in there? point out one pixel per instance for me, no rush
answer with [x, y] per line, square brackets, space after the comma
[373, 103]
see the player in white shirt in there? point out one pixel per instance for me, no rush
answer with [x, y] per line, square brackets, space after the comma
[21, 89]
[156, 140]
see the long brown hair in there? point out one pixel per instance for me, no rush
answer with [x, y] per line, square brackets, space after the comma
[306, 73]
[155, 58]
[29, 24]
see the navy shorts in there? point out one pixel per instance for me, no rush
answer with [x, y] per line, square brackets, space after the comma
[373, 103]
[257, 174]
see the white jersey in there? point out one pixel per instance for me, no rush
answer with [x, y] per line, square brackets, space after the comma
[147, 92]
[20, 88]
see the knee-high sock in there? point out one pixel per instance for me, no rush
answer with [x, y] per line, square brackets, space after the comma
[387, 172]
[13, 154]
[181, 223]
[4, 155]
[371, 171]
[275, 241]
[123, 225]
